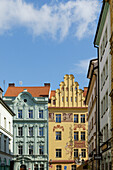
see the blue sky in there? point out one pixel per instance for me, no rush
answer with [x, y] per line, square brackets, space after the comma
[42, 40]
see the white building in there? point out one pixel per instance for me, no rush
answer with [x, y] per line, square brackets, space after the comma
[6, 132]
[102, 42]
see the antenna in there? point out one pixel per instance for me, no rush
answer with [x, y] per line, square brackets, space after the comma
[20, 82]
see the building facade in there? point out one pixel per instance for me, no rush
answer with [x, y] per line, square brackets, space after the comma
[102, 42]
[6, 133]
[92, 102]
[30, 104]
[68, 146]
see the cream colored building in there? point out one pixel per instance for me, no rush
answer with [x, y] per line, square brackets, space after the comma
[92, 102]
[67, 126]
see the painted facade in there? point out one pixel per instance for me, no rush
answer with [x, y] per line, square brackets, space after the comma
[67, 126]
[6, 133]
[92, 102]
[102, 42]
[30, 126]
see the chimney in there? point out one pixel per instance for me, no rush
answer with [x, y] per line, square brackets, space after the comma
[11, 84]
[46, 84]
[1, 92]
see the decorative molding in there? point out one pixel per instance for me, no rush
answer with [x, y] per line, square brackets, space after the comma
[68, 117]
[79, 144]
[79, 126]
[58, 127]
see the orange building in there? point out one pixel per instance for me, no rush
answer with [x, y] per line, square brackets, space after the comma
[67, 126]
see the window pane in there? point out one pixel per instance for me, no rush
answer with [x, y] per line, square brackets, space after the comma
[31, 114]
[30, 131]
[76, 136]
[58, 135]
[58, 118]
[58, 153]
[82, 118]
[75, 118]
[19, 114]
[41, 114]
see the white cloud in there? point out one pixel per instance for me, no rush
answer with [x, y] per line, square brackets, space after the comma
[57, 19]
[81, 67]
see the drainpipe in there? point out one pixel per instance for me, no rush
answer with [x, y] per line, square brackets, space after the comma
[98, 114]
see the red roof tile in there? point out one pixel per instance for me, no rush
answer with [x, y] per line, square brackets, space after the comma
[34, 91]
[52, 93]
[85, 91]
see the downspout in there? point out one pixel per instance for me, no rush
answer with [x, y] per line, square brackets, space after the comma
[98, 115]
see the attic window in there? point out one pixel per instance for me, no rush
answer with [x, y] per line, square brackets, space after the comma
[25, 100]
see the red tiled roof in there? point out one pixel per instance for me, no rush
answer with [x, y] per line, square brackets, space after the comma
[34, 91]
[85, 91]
[52, 93]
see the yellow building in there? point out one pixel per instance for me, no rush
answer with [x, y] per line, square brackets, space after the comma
[67, 126]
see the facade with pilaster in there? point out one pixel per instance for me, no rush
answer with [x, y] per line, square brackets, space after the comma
[68, 128]
[30, 126]
[102, 42]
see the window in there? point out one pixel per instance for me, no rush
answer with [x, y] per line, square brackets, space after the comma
[83, 136]
[30, 131]
[58, 118]
[75, 99]
[66, 99]
[30, 149]
[54, 102]
[58, 135]
[83, 153]
[106, 69]
[82, 118]
[106, 100]
[76, 136]
[20, 131]
[20, 114]
[4, 122]
[31, 114]
[58, 153]
[20, 149]
[73, 167]
[104, 105]
[62, 99]
[41, 114]
[58, 167]
[71, 99]
[75, 118]
[4, 145]
[76, 153]
[41, 167]
[36, 167]
[102, 108]
[41, 131]
[41, 149]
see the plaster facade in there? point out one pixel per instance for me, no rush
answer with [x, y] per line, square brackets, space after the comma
[92, 102]
[102, 41]
[67, 126]
[30, 128]
[6, 134]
